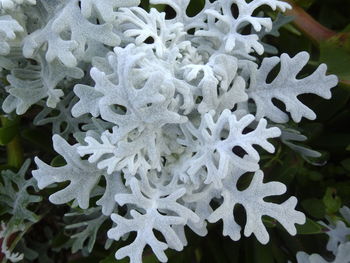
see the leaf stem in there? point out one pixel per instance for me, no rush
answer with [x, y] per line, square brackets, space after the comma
[14, 150]
[316, 32]
[308, 25]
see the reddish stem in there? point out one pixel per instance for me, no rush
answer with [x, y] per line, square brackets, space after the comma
[9, 242]
[308, 25]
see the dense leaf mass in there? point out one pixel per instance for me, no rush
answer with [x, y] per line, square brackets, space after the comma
[158, 120]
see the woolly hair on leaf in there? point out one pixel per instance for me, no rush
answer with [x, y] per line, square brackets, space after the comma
[252, 201]
[82, 175]
[173, 111]
[8, 29]
[286, 87]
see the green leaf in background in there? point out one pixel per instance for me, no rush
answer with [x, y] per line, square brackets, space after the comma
[321, 186]
[314, 207]
[335, 52]
[147, 258]
[89, 259]
[269, 221]
[263, 253]
[248, 254]
[304, 3]
[315, 176]
[150, 259]
[309, 228]
[231, 251]
[58, 161]
[334, 141]
[59, 240]
[346, 164]
[145, 4]
[326, 110]
[8, 130]
[111, 259]
[278, 255]
[9, 136]
[331, 201]
[38, 138]
[213, 248]
[195, 7]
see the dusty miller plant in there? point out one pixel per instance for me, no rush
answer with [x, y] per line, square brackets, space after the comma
[167, 112]
[338, 240]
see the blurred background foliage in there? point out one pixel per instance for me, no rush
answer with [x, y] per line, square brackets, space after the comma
[322, 185]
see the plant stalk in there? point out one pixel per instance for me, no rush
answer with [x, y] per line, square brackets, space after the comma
[308, 25]
[14, 149]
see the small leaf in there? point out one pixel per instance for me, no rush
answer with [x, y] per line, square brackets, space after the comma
[331, 201]
[269, 222]
[310, 228]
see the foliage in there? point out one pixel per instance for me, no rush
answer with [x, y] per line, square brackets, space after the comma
[168, 118]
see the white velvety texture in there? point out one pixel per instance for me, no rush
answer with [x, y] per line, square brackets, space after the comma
[286, 87]
[167, 114]
[255, 207]
[11, 4]
[8, 29]
[83, 177]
